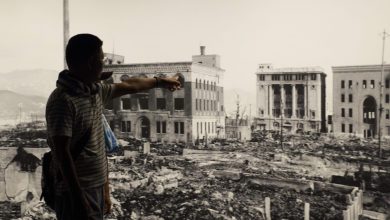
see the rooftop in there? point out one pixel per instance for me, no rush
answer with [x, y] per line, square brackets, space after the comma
[296, 70]
[359, 68]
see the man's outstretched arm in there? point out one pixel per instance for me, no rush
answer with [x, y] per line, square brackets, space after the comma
[134, 85]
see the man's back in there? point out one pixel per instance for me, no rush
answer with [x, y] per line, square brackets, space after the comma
[77, 116]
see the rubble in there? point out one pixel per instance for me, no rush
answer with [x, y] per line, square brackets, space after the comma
[228, 179]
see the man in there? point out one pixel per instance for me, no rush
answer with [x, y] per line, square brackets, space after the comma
[74, 122]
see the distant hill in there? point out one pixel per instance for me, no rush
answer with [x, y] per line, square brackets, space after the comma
[11, 102]
[37, 82]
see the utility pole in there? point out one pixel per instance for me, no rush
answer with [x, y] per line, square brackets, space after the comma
[281, 116]
[66, 27]
[381, 95]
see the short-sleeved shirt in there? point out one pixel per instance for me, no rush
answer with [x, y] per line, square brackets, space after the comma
[74, 116]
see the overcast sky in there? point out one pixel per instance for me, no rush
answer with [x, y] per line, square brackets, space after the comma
[290, 33]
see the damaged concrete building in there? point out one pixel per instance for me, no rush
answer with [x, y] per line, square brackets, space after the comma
[194, 112]
[293, 98]
[356, 100]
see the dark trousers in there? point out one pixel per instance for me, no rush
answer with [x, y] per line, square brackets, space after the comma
[65, 210]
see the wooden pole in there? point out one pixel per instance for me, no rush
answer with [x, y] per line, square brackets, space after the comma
[66, 27]
[307, 211]
[267, 208]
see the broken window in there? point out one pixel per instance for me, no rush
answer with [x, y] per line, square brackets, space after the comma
[161, 127]
[179, 103]
[261, 77]
[364, 84]
[143, 103]
[275, 77]
[387, 83]
[350, 98]
[342, 98]
[164, 127]
[179, 127]
[126, 126]
[342, 112]
[350, 84]
[387, 114]
[126, 103]
[343, 128]
[176, 127]
[158, 127]
[350, 128]
[342, 84]
[350, 112]
[313, 114]
[372, 84]
[161, 103]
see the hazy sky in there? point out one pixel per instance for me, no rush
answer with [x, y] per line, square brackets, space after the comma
[290, 33]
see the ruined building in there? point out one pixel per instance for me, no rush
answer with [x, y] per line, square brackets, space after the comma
[293, 98]
[356, 100]
[194, 112]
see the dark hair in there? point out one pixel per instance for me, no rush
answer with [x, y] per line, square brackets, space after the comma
[80, 48]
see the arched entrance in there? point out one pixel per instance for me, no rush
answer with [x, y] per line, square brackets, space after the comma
[369, 117]
[143, 127]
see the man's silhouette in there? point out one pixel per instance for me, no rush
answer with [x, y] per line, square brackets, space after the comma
[74, 121]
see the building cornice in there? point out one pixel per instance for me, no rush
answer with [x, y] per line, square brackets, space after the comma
[297, 70]
[359, 68]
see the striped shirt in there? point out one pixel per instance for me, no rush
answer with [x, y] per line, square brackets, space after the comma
[73, 116]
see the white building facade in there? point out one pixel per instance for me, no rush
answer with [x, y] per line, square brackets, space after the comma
[292, 99]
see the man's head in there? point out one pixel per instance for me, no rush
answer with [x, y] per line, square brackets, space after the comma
[84, 55]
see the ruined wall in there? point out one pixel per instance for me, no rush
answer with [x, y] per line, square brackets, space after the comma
[16, 183]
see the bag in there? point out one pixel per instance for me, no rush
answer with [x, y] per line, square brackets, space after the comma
[109, 137]
[48, 181]
[49, 172]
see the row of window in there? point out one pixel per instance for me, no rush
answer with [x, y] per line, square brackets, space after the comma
[366, 115]
[350, 98]
[161, 103]
[349, 112]
[364, 84]
[161, 127]
[205, 105]
[207, 127]
[289, 77]
[206, 85]
[343, 128]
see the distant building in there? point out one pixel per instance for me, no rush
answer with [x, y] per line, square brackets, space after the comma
[293, 98]
[238, 129]
[356, 100]
[194, 112]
